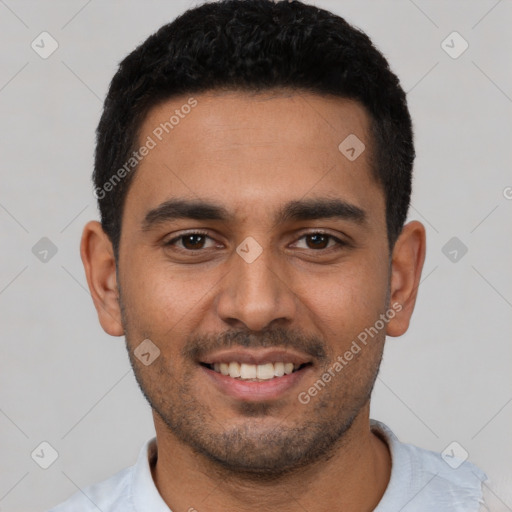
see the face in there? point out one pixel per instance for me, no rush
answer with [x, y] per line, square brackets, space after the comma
[251, 244]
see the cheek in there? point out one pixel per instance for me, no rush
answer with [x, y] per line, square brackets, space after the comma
[343, 298]
[162, 298]
[344, 303]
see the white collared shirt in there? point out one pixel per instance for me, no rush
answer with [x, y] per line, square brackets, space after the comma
[421, 481]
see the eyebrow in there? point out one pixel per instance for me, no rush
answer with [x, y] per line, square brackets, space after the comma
[304, 209]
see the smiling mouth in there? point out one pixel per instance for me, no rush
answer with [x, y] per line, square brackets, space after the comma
[255, 372]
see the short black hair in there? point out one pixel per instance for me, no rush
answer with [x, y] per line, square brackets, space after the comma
[254, 46]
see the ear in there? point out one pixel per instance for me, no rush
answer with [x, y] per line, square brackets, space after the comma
[100, 268]
[406, 265]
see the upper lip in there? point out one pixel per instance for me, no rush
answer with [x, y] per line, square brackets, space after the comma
[258, 356]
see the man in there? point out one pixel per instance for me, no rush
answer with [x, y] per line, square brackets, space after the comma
[253, 173]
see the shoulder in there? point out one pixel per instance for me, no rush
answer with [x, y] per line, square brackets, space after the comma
[447, 480]
[110, 495]
[425, 480]
[128, 490]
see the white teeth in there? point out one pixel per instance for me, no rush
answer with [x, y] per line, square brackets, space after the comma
[234, 369]
[245, 371]
[265, 371]
[248, 371]
[279, 369]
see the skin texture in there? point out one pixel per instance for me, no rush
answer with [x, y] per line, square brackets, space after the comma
[252, 154]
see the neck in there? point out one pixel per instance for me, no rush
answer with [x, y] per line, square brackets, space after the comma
[353, 478]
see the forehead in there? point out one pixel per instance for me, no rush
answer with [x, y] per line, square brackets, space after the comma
[253, 152]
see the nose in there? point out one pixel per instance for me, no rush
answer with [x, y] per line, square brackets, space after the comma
[256, 293]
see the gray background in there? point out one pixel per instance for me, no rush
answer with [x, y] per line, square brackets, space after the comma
[66, 382]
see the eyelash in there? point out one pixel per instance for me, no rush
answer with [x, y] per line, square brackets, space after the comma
[339, 243]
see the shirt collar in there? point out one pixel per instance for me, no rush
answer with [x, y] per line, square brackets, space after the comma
[145, 495]
[146, 498]
[401, 467]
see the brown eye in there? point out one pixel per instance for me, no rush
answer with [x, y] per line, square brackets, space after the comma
[319, 241]
[191, 241]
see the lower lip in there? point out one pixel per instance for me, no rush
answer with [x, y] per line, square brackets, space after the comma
[256, 391]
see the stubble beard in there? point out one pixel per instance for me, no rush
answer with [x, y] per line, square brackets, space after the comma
[260, 444]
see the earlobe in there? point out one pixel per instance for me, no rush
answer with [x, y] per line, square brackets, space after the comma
[99, 263]
[406, 266]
